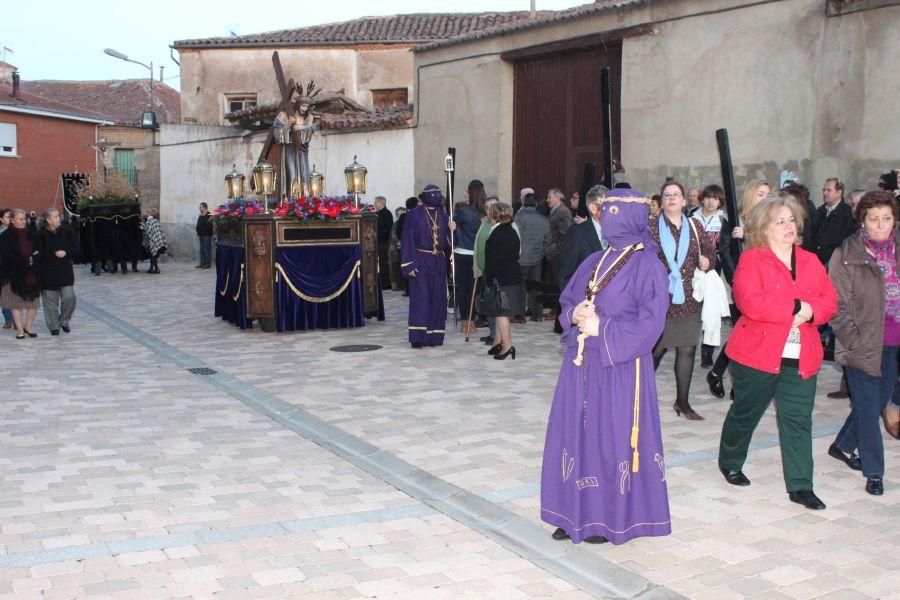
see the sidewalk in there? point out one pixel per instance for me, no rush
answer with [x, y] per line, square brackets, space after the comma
[296, 472]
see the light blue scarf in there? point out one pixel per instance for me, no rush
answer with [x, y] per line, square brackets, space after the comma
[675, 261]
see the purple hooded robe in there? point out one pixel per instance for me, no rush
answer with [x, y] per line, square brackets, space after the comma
[426, 254]
[601, 474]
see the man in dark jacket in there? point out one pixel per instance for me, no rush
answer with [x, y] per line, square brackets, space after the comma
[385, 223]
[204, 232]
[534, 231]
[583, 239]
[834, 220]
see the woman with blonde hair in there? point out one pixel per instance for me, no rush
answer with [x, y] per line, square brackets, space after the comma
[729, 253]
[502, 273]
[784, 294]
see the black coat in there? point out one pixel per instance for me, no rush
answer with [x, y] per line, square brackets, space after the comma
[204, 227]
[580, 242]
[15, 268]
[56, 272]
[832, 230]
[501, 256]
[385, 223]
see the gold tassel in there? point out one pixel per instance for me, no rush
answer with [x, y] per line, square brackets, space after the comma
[635, 428]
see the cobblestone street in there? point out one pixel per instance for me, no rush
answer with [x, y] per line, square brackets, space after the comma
[297, 472]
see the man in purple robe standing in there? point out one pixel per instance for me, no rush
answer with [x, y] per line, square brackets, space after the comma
[425, 252]
[604, 473]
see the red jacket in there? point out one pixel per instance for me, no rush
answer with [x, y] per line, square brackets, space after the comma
[766, 296]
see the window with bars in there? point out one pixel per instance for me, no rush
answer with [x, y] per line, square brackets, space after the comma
[8, 143]
[390, 98]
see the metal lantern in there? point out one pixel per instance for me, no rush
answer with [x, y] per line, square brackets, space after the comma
[264, 181]
[234, 181]
[316, 183]
[355, 174]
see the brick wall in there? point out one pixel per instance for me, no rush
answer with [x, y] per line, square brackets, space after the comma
[46, 148]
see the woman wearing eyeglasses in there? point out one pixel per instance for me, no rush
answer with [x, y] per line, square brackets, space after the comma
[683, 249]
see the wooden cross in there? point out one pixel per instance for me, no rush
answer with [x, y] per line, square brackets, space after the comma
[287, 90]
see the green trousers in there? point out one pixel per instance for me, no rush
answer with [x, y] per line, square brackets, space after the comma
[794, 398]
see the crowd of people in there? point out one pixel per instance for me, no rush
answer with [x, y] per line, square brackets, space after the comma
[37, 257]
[792, 278]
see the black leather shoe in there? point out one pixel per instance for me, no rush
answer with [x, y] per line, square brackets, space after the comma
[560, 534]
[66, 329]
[735, 477]
[54, 332]
[851, 459]
[874, 486]
[595, 539]
[807, 498]
[716, 388]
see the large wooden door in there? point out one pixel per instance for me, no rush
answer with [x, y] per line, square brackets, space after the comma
[558, 124]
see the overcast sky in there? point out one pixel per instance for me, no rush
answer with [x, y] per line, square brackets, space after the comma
[62, 39]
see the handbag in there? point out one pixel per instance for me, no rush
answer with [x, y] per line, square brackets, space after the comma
[493, 300]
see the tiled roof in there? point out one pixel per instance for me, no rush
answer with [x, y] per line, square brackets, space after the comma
[419, 28]
[380, 118]
[544, 18]
[26, 100]
[261, 117]
[122, 100]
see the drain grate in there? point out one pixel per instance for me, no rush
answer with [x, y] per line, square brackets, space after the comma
[202, 371]
[355, 348]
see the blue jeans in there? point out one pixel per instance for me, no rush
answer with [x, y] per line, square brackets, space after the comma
[868, 397]
[7, 315]
[205, 250]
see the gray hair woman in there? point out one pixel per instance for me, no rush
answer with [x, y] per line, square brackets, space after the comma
[57, 245]
[19, 284]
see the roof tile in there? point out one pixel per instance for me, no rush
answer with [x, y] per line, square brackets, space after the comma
[122, 100]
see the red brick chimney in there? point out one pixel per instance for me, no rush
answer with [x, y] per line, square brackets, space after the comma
[15, 79]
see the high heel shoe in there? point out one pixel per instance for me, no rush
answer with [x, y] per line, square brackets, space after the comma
[511, 352]
[495, 350]
[688, 414]
[29, 334]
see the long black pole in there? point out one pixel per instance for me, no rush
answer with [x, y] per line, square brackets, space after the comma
[731, 206]
[606, 101]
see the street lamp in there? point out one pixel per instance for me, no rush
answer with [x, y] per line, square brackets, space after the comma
[355, 175]
[148, 117]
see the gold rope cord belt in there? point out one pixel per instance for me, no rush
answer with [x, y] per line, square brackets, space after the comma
[353, 272]
[635, 426]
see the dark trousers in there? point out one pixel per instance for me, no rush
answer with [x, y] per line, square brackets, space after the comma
[532, 273]
[384, 266]
[465, 279]
[205, 250]
[868, 397]
[794, 398]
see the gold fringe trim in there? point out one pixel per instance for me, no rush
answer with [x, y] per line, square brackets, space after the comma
[353, 272]
[240, 283]
[92, 219]
[635, 424]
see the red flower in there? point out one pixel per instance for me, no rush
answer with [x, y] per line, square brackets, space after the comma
[250, 211]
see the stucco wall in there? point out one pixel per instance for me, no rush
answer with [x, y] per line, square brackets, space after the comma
[207, 75]
[466, 104]
[387, 155]
[146, 158]
[797, 90]
[193, 163]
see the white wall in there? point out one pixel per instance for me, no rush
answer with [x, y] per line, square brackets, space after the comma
[194, 160]
[387, 155]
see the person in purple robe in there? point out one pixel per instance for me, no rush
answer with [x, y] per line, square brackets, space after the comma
[425, 253]
[604, 470]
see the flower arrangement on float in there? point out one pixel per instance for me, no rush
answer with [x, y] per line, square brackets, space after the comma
[226, 218]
